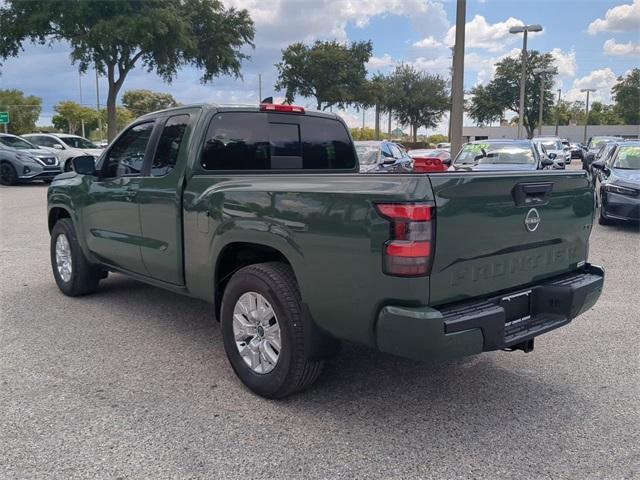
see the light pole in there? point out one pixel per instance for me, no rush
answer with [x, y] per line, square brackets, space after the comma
[558, 112]
[523, 77]
[586, 120]
[457, 81]
[541, 72]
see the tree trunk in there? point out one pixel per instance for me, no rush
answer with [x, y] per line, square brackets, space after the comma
[377, 122]
[414, 128]
[112, 96]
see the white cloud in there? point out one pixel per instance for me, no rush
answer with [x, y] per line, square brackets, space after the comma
[602, 80]
[428, 42]
[380, 63]
[623, 18]
[565, 62]
[611, 47]
[486, 66]
[493, 37]
[286, 21]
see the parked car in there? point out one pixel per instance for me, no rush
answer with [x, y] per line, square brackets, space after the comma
[553, 149]
[65, 145]
[444, 146]
[576, 150]
[592, 148]
[382, 157]
[261, 211]
[501, 154]
[21, 161]
[557, 146]
[618, 176]
[604, 154]
[430, 160]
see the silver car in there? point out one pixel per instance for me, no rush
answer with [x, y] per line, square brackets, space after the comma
[21, 161]
[65, 146]
[554, 149]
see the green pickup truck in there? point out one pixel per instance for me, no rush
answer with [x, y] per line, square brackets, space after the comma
[261, 211]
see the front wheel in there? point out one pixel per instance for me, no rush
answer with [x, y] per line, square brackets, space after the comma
[73, 274]
[8, 175]
[263, 330]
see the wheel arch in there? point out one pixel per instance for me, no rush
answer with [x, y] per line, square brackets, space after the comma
[55, 214]
[236, 255]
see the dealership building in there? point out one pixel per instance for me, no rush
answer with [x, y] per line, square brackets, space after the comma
[574, 133]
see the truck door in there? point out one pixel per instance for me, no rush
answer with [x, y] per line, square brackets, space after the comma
[111, 216]
[159, 198]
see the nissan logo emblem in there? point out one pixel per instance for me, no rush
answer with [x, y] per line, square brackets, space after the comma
[532, 220]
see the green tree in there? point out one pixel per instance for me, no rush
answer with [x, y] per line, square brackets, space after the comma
[417, 99]
[141, 102]
[626, 95]
[331, 72]
[23, 111]
[73, 114]
[484, 107]
[569, 112]
[503, 92]
[124, 117]
[601, 114]
[116, 35]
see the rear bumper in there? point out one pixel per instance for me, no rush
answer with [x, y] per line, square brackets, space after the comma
[469, 328]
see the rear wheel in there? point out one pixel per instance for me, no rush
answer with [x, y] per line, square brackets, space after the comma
[74, 275]
[263, 331]
[8, 175]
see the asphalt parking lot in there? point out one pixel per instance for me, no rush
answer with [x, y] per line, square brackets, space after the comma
[133, 382]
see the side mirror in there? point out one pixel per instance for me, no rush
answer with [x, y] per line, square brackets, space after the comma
[546, 162]
[84, 165]
[599, 165]
[553, 156]
[57, 146]
[446, 161]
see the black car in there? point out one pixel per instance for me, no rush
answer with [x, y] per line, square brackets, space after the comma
[619, 179]
[501, 154]
[594, 146]
[382, 157]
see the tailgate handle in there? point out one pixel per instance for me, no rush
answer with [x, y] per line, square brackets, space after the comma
[532, 193]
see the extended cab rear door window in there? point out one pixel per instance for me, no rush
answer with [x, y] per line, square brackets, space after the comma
[269, 141]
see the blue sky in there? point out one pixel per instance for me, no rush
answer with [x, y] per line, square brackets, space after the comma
[593, 41]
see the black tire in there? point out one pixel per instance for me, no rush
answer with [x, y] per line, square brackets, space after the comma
[294, 371]
[84, 276]
[8, 175]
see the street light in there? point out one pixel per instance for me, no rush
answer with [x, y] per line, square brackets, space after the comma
[523, 29]
[586, 120]
[542, 71]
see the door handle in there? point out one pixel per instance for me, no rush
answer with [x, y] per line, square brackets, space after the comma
[525, 194]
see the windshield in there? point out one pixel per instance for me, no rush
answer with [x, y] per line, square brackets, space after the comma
[598, 142]
[16, 142]
[628, 157]
[78, 142]
[514, 153]
[551, 144]
[367, 154]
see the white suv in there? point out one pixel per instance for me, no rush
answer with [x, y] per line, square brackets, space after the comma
[65, 145]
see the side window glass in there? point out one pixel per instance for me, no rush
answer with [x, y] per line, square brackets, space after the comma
[126, 156]
[397, 153]
[164, 160]
[386, 151]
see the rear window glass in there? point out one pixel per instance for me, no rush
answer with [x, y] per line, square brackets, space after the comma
[498, 153]
[260, 141]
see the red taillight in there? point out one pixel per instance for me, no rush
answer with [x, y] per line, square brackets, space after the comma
[270, 107]
[408, 252]
[429, 164]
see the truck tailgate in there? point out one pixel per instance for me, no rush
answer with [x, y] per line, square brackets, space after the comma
[498, 231]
